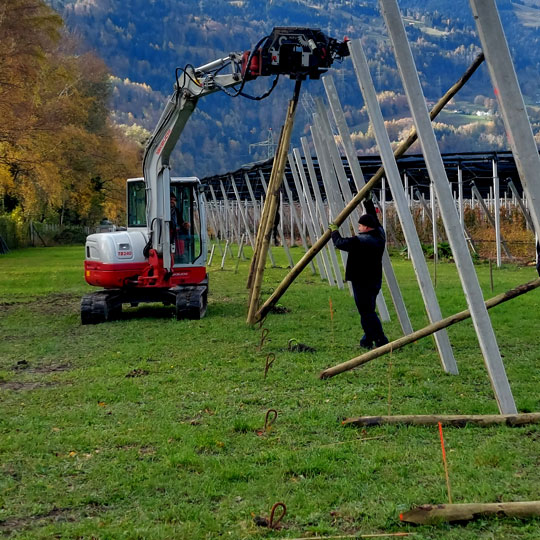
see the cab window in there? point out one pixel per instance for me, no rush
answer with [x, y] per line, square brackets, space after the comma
[186, 244]
[136, 199]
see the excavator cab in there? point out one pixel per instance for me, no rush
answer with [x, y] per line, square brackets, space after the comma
[186, 247]
[186, 236]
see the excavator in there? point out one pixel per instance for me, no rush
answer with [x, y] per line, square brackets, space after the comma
[150, 261]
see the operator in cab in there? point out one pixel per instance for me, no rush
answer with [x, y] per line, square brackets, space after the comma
[179, 229]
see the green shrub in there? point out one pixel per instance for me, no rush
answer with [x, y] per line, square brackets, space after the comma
[14, 233]
[443, 250]
[70, 235]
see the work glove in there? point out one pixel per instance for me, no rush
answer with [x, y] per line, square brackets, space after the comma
[333, 227]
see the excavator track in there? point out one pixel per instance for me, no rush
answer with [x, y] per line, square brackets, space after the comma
[101, 306]
[191, 302]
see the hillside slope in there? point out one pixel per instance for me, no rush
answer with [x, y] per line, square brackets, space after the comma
[144, 42]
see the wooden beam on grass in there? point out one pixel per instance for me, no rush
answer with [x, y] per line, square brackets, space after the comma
[344, 214]
[426, 331]
[437, 513]
[455, 420]
[354, 536]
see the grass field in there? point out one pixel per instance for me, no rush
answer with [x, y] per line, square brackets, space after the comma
[147, 427]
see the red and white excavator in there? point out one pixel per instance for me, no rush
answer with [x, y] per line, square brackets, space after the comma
[155, 260]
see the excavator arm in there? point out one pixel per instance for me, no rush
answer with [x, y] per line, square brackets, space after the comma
[296, 52]
[191, 85]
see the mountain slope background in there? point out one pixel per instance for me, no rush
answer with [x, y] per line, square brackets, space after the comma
[143, 42]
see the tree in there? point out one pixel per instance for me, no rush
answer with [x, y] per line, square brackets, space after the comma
[60, 156]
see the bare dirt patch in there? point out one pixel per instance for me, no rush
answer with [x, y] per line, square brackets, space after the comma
[137, 373]
[52, 304]
[14, 524]
[21, 386]
[51, 368]
[24, 365]
[57, 304]
[6, 307]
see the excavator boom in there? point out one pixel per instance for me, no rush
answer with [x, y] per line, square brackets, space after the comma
[140, 264]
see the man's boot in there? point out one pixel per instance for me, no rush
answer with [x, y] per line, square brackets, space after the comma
[381, 341]
[366, 343]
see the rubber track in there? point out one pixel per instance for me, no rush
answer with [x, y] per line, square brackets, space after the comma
[100, 306]
[191, 303]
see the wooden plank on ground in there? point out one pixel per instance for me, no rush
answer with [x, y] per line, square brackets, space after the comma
[429, 514]
[456, 420]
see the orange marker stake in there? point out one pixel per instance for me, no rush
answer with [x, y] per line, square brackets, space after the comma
[332, 320]
[445, 464]
[390, 386]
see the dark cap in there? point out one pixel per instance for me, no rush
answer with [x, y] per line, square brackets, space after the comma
[368, 220]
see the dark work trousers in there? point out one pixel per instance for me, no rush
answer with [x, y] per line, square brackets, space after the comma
[365, 297]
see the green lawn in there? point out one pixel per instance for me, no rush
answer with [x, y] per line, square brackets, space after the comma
[147, 427]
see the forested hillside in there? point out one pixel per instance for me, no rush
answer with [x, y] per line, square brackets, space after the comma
[143, 42]
[63, 158]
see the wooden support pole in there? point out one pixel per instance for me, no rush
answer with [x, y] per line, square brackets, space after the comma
[455, 420]
[265, 188]
[265, 208]
[240, 248]
[224, 254]
[270, 207]
[400, 150]
[437, 513]
[211, 255]
[355, 536]
[426, 331]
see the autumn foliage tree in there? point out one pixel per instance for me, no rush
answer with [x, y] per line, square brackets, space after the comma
[61, 159]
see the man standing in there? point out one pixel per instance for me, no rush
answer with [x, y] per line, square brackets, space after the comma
[364, 271]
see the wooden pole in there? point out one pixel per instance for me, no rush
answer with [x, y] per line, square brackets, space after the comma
[426, 331]
[260, 231]
[400, 150]
[455, 420]
[430, 514]
[355, 536]
[211, 255]
[224, 254]
[271, 202]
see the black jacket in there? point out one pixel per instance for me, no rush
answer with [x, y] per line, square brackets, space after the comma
[364, 262]
[177, 223]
